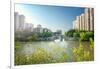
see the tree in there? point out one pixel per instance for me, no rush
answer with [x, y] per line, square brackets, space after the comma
[70, 33]
[33, 37]
[46, 34]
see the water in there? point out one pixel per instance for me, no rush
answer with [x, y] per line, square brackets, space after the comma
[57, 48]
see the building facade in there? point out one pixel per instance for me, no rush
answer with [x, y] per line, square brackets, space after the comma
[85, 22]
[28, 27]
[20, 24]
[16, 21]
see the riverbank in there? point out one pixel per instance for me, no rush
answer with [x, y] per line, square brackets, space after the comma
[53, 52]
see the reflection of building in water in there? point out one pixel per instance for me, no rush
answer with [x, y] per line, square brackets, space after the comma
[85, 21]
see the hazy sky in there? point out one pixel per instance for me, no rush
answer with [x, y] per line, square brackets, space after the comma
[52, 17]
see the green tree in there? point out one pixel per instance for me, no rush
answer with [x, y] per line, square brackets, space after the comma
[83, 36]
[70, 33]
[46, 34]
[33, 37]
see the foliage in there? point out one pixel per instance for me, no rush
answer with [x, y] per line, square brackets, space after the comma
[80, 54]
[40, 56]
[86, 36]
[90, 35]
[46, 34]
[76, 34]
[20, 60]
[70, 33]
[83, 35]
[91, 43]
[17, 45]
[33, 37]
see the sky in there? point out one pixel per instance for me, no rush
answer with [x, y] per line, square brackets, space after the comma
[51, 17]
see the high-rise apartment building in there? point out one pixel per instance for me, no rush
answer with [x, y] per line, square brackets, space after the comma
[85, 22]
[21, 22]
[16, 21]
[28, 27]
[20, 25]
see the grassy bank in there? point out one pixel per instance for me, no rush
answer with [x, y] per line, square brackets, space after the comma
[41, 56]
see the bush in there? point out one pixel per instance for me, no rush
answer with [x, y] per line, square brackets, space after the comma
[80, 54]
[83, 35]
[32, 38]
[89, 35]
[76, 34]
[70, 33]
[20, 59]
[41, 56]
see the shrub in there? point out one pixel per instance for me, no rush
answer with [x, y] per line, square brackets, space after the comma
[80, 54]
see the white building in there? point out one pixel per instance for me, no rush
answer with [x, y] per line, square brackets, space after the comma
[16, 21]
[91, 19]
[85, 21]
[28, 27]
[38, 29]
[77, 23]
[21, 22]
